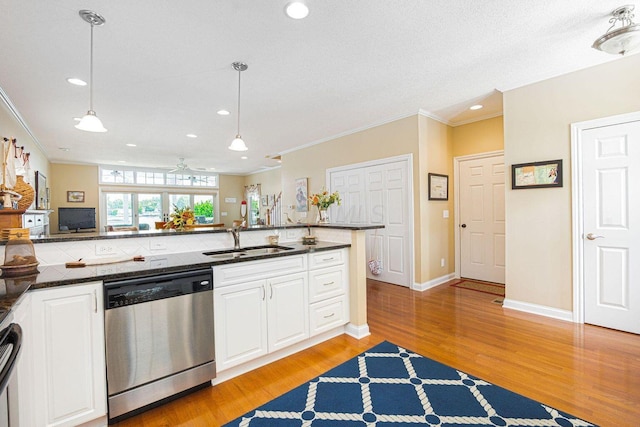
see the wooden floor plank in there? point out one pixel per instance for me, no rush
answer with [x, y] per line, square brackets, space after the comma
[588, 371]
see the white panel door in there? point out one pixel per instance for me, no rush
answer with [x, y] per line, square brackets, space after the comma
[387, 203]
[611, 212]
[379, 194]
[482, 219]
[350, 185]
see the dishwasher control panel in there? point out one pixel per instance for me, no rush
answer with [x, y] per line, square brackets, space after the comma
[151, 288]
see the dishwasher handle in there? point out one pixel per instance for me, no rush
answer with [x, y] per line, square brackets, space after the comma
[146, 289]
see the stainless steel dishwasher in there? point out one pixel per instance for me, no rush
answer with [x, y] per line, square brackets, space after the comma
[159, 339]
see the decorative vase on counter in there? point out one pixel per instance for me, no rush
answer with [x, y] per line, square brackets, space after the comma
[26, 191]
[324, 216]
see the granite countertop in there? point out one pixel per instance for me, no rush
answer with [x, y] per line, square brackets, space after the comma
[66, 237]
[11, 289]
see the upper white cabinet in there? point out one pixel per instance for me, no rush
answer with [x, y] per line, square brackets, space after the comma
[67, 343]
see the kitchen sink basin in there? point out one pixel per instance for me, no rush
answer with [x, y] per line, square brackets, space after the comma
[247, 252]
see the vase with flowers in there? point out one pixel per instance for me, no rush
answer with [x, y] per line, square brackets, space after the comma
[323, 200]
[181, 218]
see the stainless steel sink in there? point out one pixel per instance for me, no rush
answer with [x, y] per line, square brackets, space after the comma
[247, 252]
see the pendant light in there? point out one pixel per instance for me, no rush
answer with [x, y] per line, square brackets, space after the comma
[621, 40]
[90, 122]
[238, 144]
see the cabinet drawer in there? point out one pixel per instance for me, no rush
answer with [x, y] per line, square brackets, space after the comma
[328, 314]
[251, 270]
[28, 220]
[326, 258]
[326, 283]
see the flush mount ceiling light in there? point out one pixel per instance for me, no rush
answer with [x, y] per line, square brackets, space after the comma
[238, 144]
[622, 40]
[90, 122]
[76, 81]
[296, 10]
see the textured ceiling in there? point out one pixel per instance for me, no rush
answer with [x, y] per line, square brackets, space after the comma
[163, 69]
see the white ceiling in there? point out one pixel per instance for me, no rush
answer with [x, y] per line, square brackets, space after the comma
[163, 69]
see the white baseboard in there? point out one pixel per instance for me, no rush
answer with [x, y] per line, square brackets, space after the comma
[234, 371]
[433, 282]
[541, 310]
[358, 332]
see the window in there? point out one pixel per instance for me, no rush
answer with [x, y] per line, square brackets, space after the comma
[157, 177]
[119, 208]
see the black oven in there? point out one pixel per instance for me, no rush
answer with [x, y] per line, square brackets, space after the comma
[10, 345]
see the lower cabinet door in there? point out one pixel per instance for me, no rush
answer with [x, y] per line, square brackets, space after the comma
[240, 323]
[68, 355]
[287, 303]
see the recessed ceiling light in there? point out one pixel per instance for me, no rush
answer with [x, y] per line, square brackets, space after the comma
[131, 145]
[192, 135]
[122, 161]
[77, 119]
[475, 107]
[244, 157]
[296, 10]
[77, 82]
[64, 148]
[223, 112]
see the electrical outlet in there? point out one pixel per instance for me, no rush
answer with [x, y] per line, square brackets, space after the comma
[441, 262]
[105, 249]
[223, 214]
[157, 246]
[291, 234]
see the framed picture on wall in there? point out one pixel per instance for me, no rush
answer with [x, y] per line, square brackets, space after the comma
[41, 191]
[302, 204]
[544, 174]
[438, 186]
[75, 196]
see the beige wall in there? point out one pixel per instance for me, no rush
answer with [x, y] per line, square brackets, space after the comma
[10, 127]
[537, 121]
[231, 186]
[478, 137]
[388, 140]
[436, 232]
[65, 177]
[270, 184]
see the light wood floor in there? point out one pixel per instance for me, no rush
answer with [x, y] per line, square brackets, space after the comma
[590, 372]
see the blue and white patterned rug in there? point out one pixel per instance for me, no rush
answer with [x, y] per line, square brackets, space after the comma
[393, 387]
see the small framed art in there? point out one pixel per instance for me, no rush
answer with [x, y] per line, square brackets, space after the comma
[536, 175]
[75, 196]
[438, 187]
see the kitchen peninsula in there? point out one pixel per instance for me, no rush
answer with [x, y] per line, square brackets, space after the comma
[66, 304]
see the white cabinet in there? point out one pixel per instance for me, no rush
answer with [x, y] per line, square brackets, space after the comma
[240, 323]
[37, 221]
[258, 309]
[68, 355]
[288, 318]
[328, 285]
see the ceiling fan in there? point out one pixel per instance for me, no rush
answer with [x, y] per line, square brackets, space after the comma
[181, 167]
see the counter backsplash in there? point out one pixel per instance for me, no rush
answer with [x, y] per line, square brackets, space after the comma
[59, 252]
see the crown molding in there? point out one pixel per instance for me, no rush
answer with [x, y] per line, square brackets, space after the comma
[7, 101]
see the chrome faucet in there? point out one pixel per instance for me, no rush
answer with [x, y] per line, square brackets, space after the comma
[235, 232]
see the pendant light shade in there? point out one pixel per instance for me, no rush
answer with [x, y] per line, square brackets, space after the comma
[90, 122]
[238, 144]
[622, 40]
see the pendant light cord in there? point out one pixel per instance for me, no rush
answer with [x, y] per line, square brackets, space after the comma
[91, 72]
[239, 74]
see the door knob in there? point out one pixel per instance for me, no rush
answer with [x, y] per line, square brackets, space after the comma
[463, 225]
[592, 236]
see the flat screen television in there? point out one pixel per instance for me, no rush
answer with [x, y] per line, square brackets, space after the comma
[76, 219]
